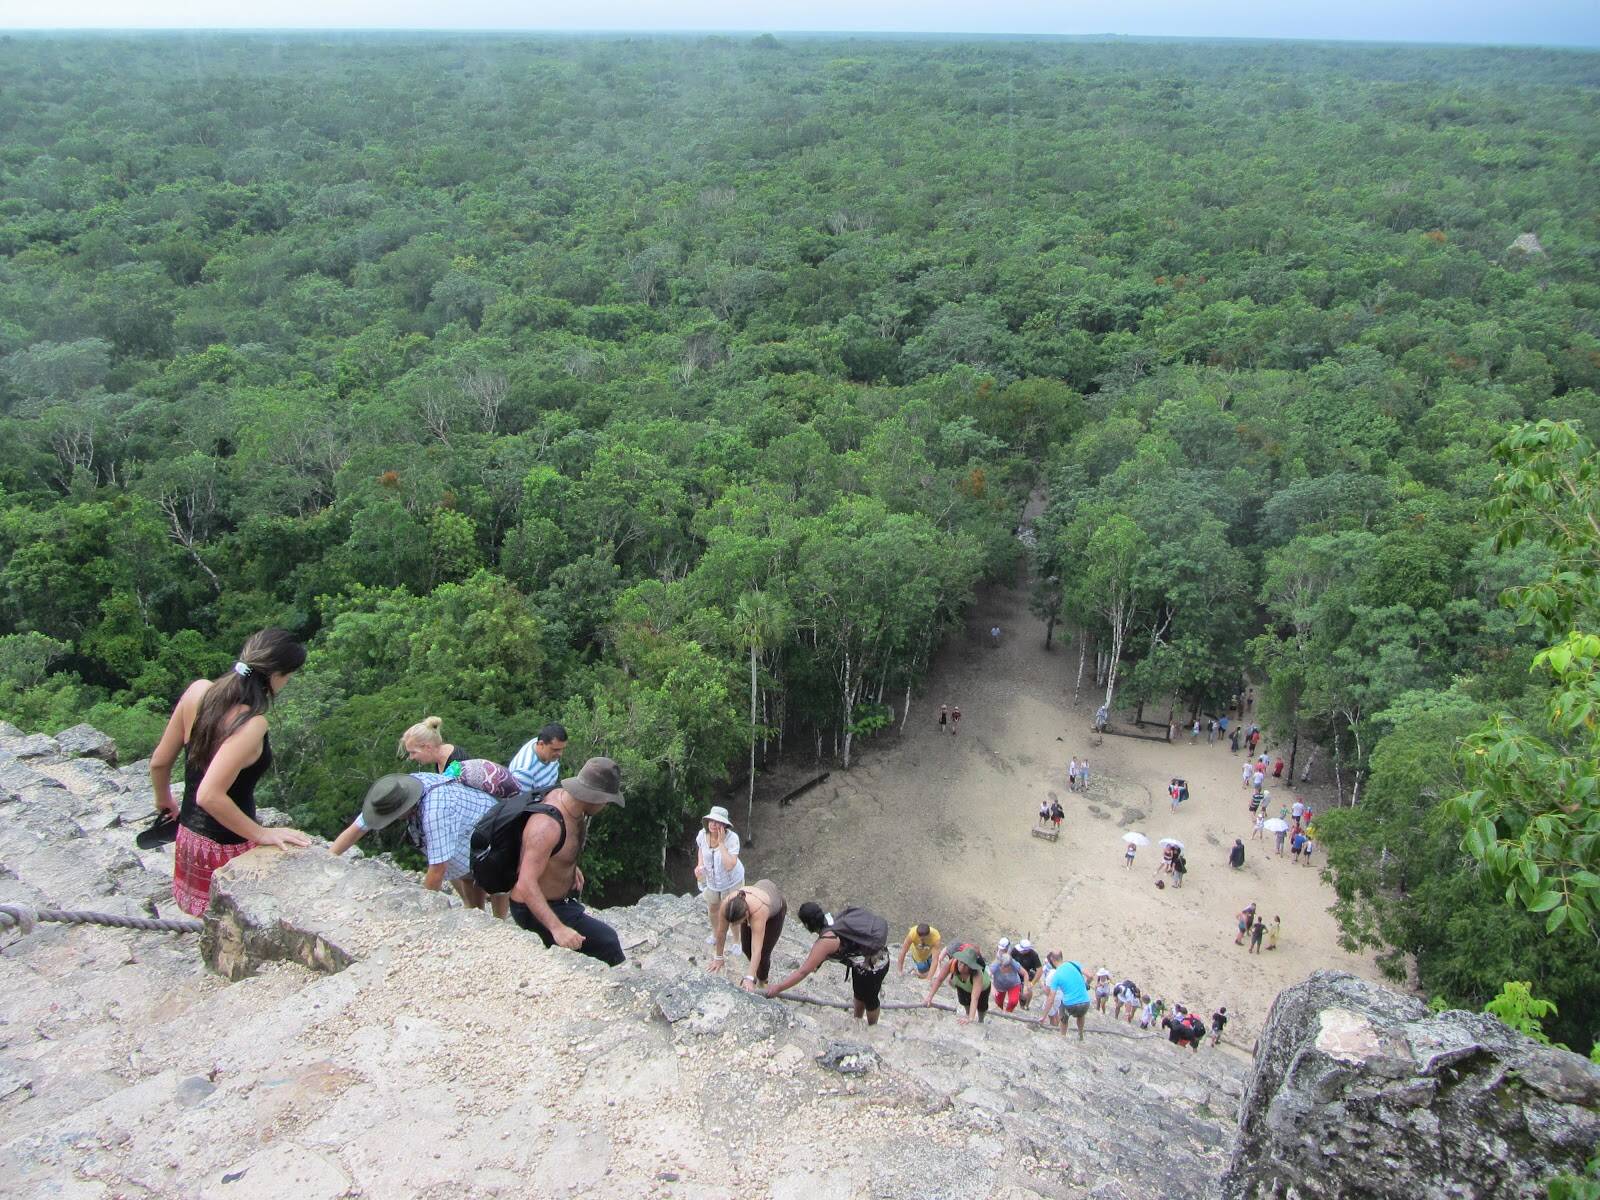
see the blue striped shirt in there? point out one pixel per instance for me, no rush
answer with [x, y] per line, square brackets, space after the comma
[532, 774]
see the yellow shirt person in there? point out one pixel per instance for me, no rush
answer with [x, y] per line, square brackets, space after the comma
[922, 943]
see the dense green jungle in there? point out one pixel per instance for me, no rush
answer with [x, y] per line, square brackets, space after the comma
[684, 390]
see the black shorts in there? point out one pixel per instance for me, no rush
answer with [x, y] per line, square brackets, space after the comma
[868, 985]
[966, 1001]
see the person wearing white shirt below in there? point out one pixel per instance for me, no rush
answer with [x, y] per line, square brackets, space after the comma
[537, 766]
[719, 870]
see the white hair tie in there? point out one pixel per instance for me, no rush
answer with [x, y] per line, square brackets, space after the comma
[242, 670]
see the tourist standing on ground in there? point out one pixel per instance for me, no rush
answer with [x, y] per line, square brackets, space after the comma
[944, 717]
[537, 766]
[1044, 813]
[1072, 774]
[1128, 855]
[1236, 855]
[1194, 732]
[1211, 733]
[1306, 847]
[220, 725]
[1233, 742]
[858, 938]
[1180, 868]
[965, 969]
[424, 744]
[955, 720]
[1259, 833]
[549, 880]
[1246, 918]
[1278, 836]
[922, 943]
[758, 911]
[1272, 933]
[1219, 1022]
[718, 869]
[1257, 931]
[1083, 776]
[1056, 814]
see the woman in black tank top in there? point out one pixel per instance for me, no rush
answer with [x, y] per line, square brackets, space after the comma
[220, 726]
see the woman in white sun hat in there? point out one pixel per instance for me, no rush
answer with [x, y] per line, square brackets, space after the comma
[719, 870]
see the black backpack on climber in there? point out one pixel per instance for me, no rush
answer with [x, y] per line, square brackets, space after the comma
[496, 850]
[863, 935]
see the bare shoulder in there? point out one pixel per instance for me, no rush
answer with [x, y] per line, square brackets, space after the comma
[252, 732]
[541, 831]
[193, 694]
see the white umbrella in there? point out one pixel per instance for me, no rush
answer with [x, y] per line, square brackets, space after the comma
[1138, 839]
[1276, 825]
[1172, 842]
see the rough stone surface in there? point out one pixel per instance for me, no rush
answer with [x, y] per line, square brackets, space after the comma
[32, 745]
[85, 741]
[1526, 243]
[1362, 1092]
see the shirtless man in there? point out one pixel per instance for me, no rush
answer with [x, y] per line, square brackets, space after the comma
[545, 898]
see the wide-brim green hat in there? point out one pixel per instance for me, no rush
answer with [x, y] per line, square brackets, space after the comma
[389, 799]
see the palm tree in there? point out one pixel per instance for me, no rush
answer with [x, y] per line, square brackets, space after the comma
[762, 620]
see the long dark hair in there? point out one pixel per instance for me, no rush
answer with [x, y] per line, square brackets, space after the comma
[270, 652]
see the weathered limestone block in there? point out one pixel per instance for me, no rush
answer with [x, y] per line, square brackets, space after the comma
[31, 745]
[306, 906]
[18, 782]
[1362, 1092]
[85, 741]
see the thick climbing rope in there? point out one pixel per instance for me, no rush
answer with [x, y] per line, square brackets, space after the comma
[25, 918]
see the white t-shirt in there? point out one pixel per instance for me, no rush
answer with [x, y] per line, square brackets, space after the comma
[718, 879]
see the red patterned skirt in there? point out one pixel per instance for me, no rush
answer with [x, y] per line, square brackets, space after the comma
[195, 857]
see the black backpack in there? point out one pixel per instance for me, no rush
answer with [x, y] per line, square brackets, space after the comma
[862, 934]
[496, 851]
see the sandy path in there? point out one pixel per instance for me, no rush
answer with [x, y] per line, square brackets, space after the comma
[931, 827]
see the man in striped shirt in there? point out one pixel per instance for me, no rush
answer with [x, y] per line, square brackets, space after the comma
[537, 766]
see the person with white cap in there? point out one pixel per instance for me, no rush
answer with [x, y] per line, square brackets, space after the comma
[718, 869]
[1031, 965]
[1102, 989]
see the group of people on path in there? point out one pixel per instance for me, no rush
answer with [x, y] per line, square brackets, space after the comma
[949, 719]
[1253, 928]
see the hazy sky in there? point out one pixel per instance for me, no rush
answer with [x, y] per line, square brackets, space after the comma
[1547, 22]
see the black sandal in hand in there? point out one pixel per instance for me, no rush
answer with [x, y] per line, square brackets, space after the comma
[163, 829]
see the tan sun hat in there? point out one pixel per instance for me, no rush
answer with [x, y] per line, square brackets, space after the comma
[719, 815]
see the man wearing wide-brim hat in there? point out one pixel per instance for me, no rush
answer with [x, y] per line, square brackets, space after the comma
[439, 814]
[545, 898]
[719, 870]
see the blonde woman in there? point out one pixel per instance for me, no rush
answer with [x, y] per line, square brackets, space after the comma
[424, 744]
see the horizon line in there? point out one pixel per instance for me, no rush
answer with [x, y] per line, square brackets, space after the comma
[975, 35]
